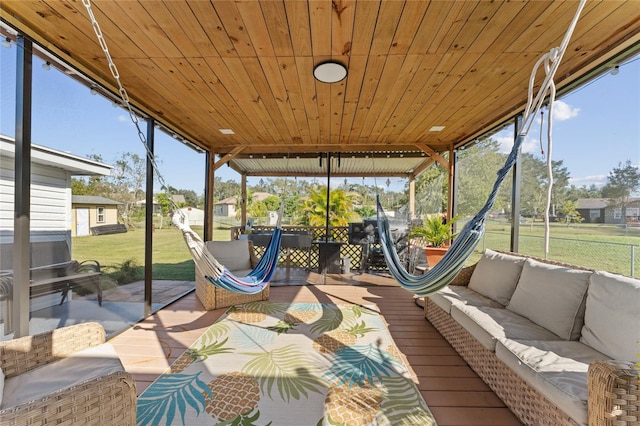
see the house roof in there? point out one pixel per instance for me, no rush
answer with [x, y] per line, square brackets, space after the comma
[92, 199]
[600, 203]
[230, 201]
[74, 164]
[197, 67]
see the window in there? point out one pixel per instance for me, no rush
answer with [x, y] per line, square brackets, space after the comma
[100, 214]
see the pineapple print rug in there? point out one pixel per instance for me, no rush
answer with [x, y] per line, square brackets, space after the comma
[266, 363]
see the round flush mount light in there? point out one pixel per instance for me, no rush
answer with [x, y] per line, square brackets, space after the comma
[330, 72]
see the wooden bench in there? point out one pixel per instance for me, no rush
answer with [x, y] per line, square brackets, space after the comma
[53, 271]
[117, 228]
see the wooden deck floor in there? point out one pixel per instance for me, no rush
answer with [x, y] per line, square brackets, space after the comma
[454, 393]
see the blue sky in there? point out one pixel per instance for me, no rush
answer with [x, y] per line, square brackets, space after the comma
[595, 127]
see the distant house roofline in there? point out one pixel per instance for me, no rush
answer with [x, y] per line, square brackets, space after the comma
[93, 199]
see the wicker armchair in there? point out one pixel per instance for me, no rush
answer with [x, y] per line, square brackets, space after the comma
[106, 400]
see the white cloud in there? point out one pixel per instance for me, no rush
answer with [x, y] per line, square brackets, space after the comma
[563, 111]
[123, 118]
[506, 143]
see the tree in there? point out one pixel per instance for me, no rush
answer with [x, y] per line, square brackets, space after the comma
[568, 209]
[575, 193]
[314, 207]
[99, 186]
[129, 177]
[476, 173]
[623, 181]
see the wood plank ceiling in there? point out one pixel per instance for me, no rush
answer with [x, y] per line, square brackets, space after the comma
[201, 66]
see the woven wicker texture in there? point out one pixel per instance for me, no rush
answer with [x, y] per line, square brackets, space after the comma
[524, 401]
[614, 393]
[614, 398]
[27, 353]
[107, 400]
[213, 297]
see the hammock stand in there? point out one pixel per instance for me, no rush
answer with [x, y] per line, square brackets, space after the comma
[258, 279]
[443, 272]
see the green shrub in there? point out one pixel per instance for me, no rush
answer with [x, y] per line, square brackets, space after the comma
[128, 272]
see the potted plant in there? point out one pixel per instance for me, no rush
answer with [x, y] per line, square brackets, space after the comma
[436, 234]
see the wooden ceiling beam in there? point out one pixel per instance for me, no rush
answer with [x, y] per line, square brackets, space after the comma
[235, 151]
[431, 153]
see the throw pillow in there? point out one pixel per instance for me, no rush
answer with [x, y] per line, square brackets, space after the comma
[611, 321]
[496, 275]
[552, 296]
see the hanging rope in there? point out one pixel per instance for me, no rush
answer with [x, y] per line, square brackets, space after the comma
[463, 246]
[204, 261]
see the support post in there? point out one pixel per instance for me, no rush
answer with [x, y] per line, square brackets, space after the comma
[209, 190]
[22, 193]
[412, 197]
[515, 191]
[452, 204]
[243, 204]
[148, 230]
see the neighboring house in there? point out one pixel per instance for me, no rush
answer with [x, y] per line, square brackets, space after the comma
[51, 199]
[226, 207]
[51, 205]
[194, 215]
[176, 198]
[604, 210]
[88, 211]
[613, 214]
[592, 210]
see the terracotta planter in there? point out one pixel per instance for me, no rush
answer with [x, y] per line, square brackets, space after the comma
[434, 254]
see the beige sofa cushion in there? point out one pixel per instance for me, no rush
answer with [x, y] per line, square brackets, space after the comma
[612, 317]
[496, 275]
[234, 255]
[76, 369]
[458, 294]
[556, 369]
[552, 296]
[487, 325]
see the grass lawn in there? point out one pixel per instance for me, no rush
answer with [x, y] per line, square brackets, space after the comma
[597, 246]
[171, 258]
[605, 247]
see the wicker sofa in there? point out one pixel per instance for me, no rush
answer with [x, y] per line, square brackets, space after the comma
[557, 343]
[239, 257]
[64, 377]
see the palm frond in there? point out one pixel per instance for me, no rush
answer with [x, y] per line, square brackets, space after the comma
[171, 394]
[403, 405]
[285, 369]
[355, 364]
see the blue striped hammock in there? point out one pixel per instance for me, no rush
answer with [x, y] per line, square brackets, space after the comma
[218, 275]
[443, 272]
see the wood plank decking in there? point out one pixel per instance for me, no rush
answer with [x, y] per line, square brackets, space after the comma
[454, 393]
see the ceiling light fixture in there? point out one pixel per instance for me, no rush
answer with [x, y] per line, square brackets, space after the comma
[227, 131]
[46, 66]
[6, 42]
[436, 128]
[330, 72]
[615, 70]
